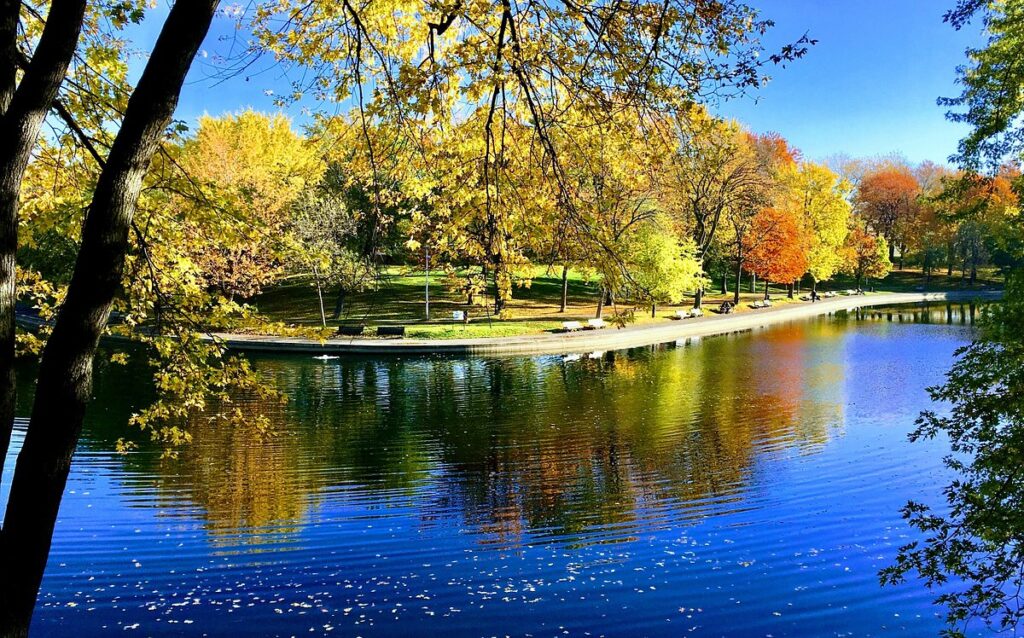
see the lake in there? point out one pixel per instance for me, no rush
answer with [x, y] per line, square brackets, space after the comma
[743, 485]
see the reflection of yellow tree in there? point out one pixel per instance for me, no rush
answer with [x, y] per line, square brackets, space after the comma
[245, 480]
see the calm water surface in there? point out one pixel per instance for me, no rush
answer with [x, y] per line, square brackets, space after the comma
[737, 486]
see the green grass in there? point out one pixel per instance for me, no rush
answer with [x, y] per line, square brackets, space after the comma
[534, 309]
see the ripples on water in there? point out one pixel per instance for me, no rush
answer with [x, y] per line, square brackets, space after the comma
[736, 486]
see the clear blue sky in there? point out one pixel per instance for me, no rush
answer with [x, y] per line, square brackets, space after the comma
[868, 87]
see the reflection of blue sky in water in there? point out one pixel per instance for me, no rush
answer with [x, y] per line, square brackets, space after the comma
[743, 485]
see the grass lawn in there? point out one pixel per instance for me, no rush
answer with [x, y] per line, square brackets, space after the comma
[534, 309]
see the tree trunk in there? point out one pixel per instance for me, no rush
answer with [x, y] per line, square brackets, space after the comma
[892, 252]
[23, 111]
[725, 282]
[789, 290]
[565, 287]
[9, 14]
[339, 303]
[739, 281]
[765, 288]
[499, 300]
[975, 257]
[320, 296]
[64, 381]
[654, 311]
[698, 297]
[753, 282]
[600, 303]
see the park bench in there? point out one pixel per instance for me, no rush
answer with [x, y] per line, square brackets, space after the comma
[391, 331]
[571, 326]
[351, 331]
[757, 304]
[595, 324]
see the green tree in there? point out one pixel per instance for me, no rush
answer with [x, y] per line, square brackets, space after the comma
[662, 268]
[865, 255]
[993, 96]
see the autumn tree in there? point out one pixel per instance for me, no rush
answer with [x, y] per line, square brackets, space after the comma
[715, 177]
[981, 208]
[821, 199]
[778, 252]
[887, 200]
[865, 254]
[251, 167]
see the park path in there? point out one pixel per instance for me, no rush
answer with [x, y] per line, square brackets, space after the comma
[589, 340]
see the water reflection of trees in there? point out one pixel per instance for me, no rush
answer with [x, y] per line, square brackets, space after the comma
[592, 449]
[588, 450]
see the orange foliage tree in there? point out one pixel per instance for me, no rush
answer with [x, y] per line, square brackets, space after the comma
[777, 251]
[887, 201]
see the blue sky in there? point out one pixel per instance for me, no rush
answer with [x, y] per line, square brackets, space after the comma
[868, 87]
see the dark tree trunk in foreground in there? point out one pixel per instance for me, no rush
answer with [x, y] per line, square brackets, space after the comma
[725, 282]
[22, 111]
[698, 298]
[789, 290]
[65, 373]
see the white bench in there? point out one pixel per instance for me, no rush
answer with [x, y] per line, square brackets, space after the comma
[596, 324]
[571, 326]
[688, 314]
[757, 304]
[767, 303]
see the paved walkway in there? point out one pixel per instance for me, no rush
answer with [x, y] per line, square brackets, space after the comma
[590, 340]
